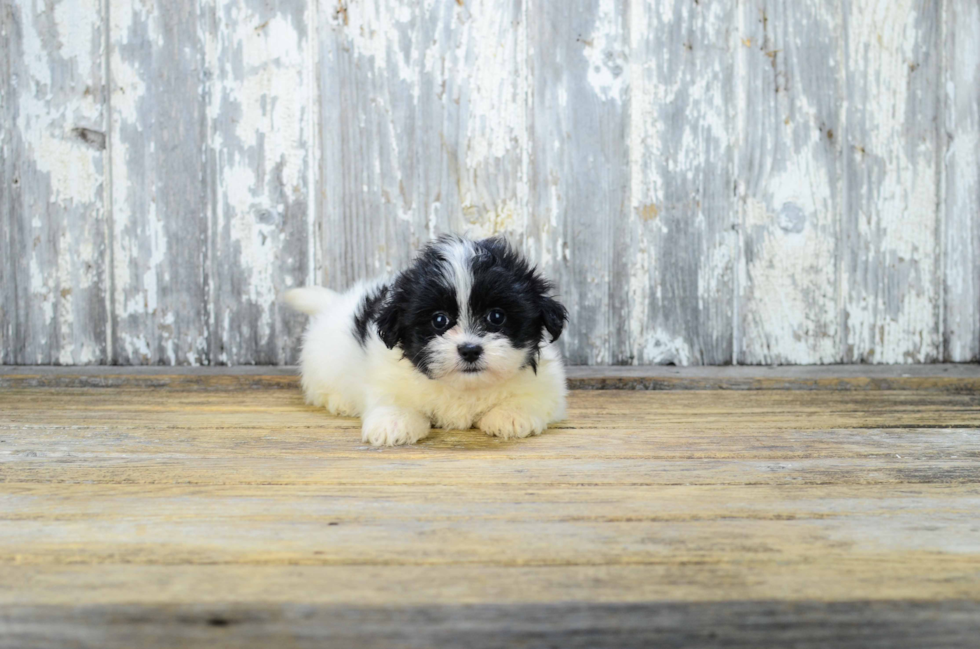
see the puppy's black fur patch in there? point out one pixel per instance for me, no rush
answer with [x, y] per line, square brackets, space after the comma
[501, 279]
[367, 312]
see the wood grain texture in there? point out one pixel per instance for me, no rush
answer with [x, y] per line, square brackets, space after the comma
[472, 118]
[961, 274]
[579, 169]
[789, 177]
[681, 246]
[52, 180]
[707, 183]
[892, 152]
[572, 625]
[370, 62]
[260, 98]
[183, 516]
[159, 183]
[370, 587]
[423, 129]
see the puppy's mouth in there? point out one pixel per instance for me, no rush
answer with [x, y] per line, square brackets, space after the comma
[473, 369]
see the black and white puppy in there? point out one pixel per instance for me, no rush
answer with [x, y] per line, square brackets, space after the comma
[464, 336]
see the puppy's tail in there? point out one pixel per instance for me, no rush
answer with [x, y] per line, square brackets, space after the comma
[311, 299]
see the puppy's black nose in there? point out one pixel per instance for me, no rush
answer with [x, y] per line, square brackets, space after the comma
[470, 352]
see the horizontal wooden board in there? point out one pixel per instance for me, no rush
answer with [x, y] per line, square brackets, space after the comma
[506, 525]
[710, 410]
[914, 578]
[197, 513]
[948, 377]
[863, 624]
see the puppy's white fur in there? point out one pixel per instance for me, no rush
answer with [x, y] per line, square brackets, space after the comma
[397, 402]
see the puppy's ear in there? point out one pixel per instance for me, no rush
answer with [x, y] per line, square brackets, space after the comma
[389, 327]
[554, 315]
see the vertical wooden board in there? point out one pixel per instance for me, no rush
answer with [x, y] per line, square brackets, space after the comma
[682, 217]
[52, 211]
[472, 119]
[259, 103]
[890, 225]
[159, 183]
[788, 171]
[579, 167]
[962, 255]
[369, 84]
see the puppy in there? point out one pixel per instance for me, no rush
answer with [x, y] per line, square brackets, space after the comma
[464, 336]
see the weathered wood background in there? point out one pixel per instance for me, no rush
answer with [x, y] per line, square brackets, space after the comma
[708, 181]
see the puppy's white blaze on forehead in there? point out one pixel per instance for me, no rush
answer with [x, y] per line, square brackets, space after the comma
[459, 275]
[459, 336]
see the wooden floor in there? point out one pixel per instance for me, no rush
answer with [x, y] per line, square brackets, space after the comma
[217, 510]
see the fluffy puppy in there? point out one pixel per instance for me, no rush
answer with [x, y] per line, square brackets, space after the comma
[464, 336]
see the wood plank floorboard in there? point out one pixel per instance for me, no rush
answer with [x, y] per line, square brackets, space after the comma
[197, 512]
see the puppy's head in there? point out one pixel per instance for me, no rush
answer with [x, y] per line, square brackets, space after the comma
[470, 312]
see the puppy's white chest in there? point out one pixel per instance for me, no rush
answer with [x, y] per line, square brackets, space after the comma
[460, 410]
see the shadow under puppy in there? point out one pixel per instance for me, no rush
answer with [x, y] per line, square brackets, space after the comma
[464, 336]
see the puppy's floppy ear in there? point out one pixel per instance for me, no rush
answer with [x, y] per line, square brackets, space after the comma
[389, 325]
[553, 315]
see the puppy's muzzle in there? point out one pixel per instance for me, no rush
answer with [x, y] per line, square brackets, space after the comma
[469, 352]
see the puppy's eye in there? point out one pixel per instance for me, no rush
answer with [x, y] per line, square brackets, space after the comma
[496, 317]
[440, 321]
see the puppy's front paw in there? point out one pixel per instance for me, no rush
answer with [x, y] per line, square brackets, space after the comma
[507, 423]
[338, 405]
[393, 427]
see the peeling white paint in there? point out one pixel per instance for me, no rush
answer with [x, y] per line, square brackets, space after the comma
[487, 51]
[788, 288]
[66, 315]
[507, 219]
[128, 87]
[657, 348]
[373, 29]
[892, 315]
[962, 166]
[638, 289]
[46, 121]
[138, 346]
[260, 91]
[607, 54]
[472, 120]
[156, 300]
[679, 133]
[78, 23]
[55, 90]
[645, 133]
[260, 78]
[788, 189]
[156, 240]
[42, 289]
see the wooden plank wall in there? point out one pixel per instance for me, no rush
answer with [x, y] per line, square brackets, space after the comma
[708, 182]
